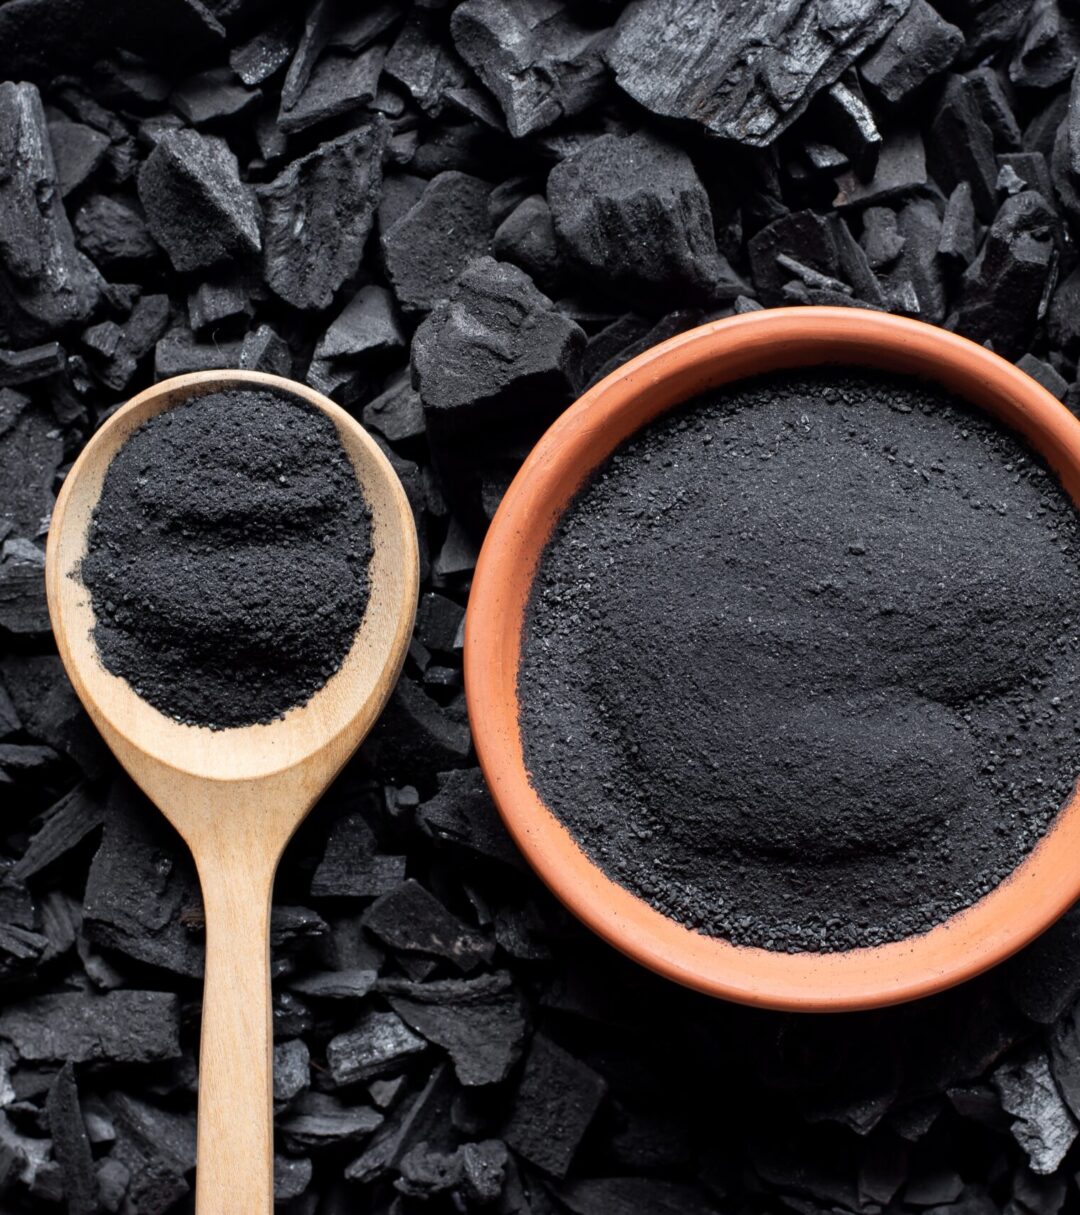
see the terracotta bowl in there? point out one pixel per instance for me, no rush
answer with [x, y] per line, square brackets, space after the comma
[1036, 893]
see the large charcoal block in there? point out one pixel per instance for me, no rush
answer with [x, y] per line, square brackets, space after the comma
[919, 46]
[535, 56]
[412, 920]
[197, 208]
[430, 245]
[119, 1027]
[479, 1022]
[317, 215]
[557, 1098]
[498, 350]
[45, 283]
[1004, 287]
[745, 72]
[633, 214]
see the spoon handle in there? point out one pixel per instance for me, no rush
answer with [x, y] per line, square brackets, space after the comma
[235, 1169]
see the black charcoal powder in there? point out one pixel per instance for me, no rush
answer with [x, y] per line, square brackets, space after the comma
[227, 560]
[799, 665]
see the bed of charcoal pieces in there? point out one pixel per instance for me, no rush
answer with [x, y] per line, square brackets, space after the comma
[451, 220]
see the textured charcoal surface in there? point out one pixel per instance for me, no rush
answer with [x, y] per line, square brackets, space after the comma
[888, 579]
[227, 558]
[633, 168]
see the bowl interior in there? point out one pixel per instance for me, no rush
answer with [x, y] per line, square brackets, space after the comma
[1040, 889]
[342, 710]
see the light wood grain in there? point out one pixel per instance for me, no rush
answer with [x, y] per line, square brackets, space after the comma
[236, 796]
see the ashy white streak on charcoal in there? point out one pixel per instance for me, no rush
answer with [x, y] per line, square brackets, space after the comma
[632, 170]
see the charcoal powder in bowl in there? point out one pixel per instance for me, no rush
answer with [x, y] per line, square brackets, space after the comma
[227, 558]
[799, 661]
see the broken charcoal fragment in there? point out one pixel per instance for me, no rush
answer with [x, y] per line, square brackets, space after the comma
[112, 233]
[197, 208]
[527, 238]
[366, 326]
[352, 866]
[48, 707]
[418, 1118]
[142, 887]
[350, 984]
[45, 282]
[498, 350]
[632, 1196]
[317, 214]
[412, 920]
[633, 215]
[919, 46]
[536, 57]
[958, 231]
[78, 151]
[961, 146]
[157, 1147]
[179, 351]
[1043, 1125]
[480, 1022]
[556, 1100]
[900, 172]
[1055, 383]
[265, 350]
[1031, 169]
[850, 125]
[747, 73]
[128, 344]
[438, 623]
[319, 1120]
[266, 52]
[381, 1042]
[1065, 1058]
[802, 235]
[292, 1176]
[430, 245]
[291, 1069]
[218, 305]
[66, 824]
[881, 240]
[1004, 287]
[210, 97]
[422, 62]
[71, 1146]
[1048, 49]
[484, 1167]
[119, 1027]
[426, 1172]
[397, 412]
[338, 84]
[918, 266]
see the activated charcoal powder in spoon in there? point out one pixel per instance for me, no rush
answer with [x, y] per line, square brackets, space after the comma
[227, 558]
[800, 663]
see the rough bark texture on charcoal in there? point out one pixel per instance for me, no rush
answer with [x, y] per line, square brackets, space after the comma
[443, 126]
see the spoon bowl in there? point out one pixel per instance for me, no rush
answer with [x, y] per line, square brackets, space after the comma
[237, 795]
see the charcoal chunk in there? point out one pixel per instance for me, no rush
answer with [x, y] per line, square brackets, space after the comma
[429, 246]
[850, 125]
[1048, 49]
[67, 823]
[366, 326]
[210, 97]
[319, 1120]
[499, 346]
[78, 151]
[1061, 973]
[127, 345]
[397, 412]
[141, 887]
[918, 271]
[71, 1146]
[265, 52]
[958, 235]
[536, 57]
[120, 1027]
[352, 866]
[412, 920]
[317, 215]
[112, 233]
[179, 351]
[801, 235]
[23, 610]
[1044, 979]
[265, 350]
[351, 984]
[633, 214]
[426, 1172]
[422, 62]
[919, 46]
[157, 1147]
[30, 454]
[292, 1176]
[339, 83]
[881, 240]
[745, 73]
[557, 1098]
[196, 206]
[633, 1195]
[527, 238]
[462, 813]
[291, 1069]
[45, 283]
[218, 304]
[380, 1043]
[962, 146]
[1004, 287]
[418, 1118]
[479, 1022]
[1043, 1125]
[1031, 169]
[50, 710]
[900, 172]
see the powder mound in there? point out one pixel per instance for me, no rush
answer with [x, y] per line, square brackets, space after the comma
[799, 663]
[227, 558]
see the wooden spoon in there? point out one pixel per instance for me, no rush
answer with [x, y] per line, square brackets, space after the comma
[236, 796]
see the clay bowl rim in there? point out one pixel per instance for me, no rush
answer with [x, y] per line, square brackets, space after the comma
[1038, 891]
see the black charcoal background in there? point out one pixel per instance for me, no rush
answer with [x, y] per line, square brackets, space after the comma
[452, 219]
